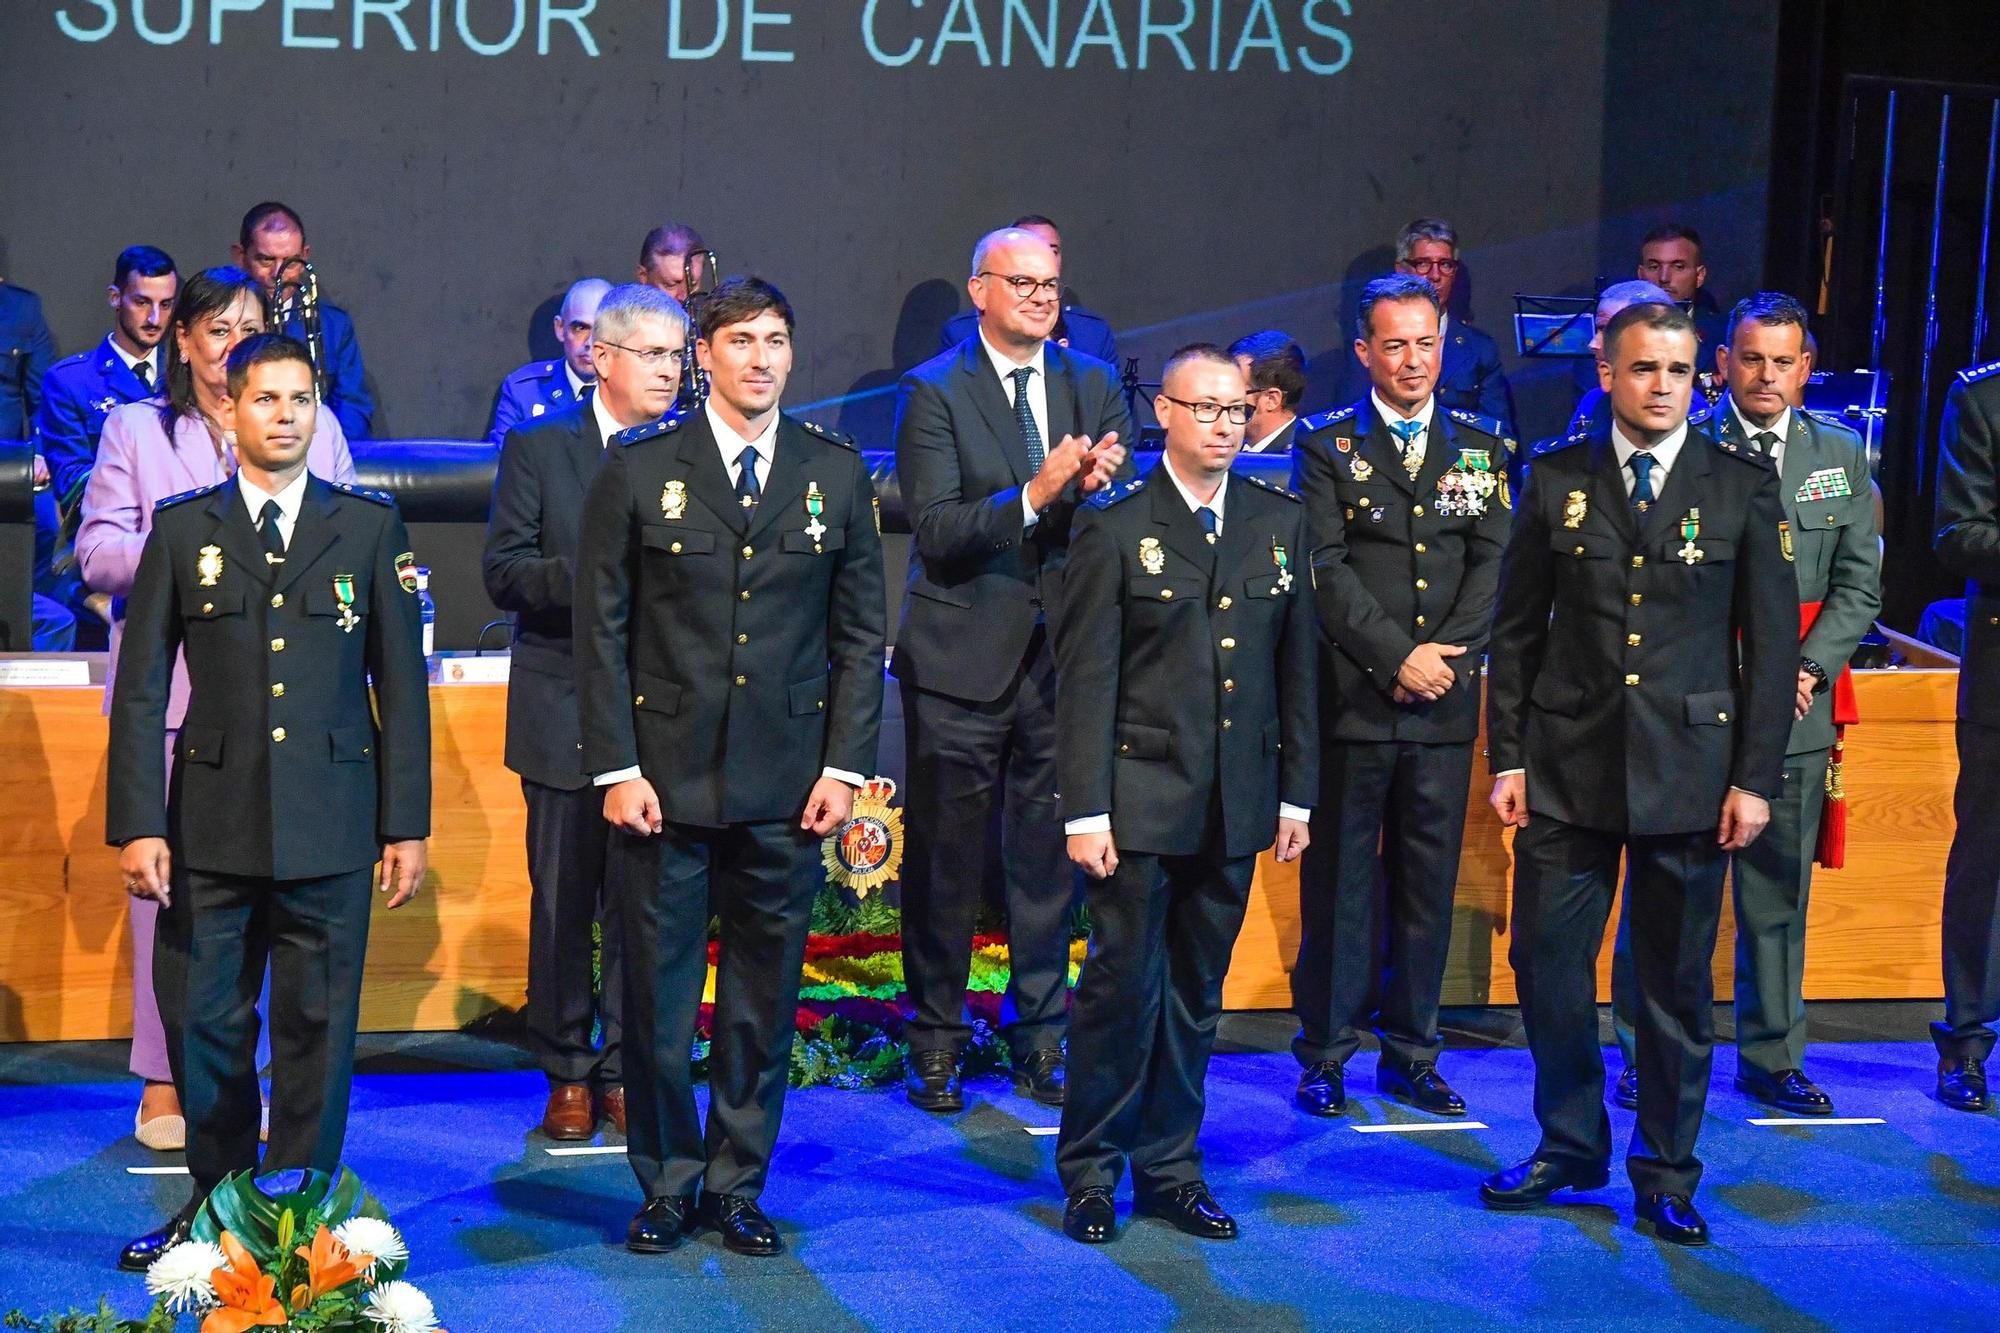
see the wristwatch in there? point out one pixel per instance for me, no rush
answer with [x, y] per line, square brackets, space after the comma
[1816, 671]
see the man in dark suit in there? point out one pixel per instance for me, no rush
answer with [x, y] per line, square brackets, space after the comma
[1188, 746]
[289, 598]
[997, 441]
[1644, 650]
[530, 561]
[270, 246]
[1274, 365]
[729, 643]
[541, 387]
[1075, 329]
[126, 367]
[1407, 508]
[1968, 542]
[1829, 500]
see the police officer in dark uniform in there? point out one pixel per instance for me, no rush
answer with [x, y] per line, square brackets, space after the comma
[288, 596]
[729, 644]
[1185, 652]
[1968, 542]
[1645, 645]
[1407, 504]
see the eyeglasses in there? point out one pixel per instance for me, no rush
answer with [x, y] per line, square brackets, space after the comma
[652, 357]
[1023, 285]
[1444, 268]
[1206, 413]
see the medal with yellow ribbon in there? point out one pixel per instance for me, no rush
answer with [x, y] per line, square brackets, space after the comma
[343, 592]
[815, 506]
[1690, 529]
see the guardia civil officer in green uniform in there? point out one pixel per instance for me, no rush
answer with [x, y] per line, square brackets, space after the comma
[291, 777]
[1189, 744]
[729, 645]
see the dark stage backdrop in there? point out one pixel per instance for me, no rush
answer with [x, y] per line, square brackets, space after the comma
[1216, 165]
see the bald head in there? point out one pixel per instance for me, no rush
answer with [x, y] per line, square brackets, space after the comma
[575, 322]
[1016, 285]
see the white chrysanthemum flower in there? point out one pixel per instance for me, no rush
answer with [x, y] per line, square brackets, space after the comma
[398, 1307]
[184, 1275]
[375, 1238]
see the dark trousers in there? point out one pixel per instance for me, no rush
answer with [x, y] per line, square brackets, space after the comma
[1376, 897]
[575, 886]
[967, 763]
[1564, 878]
[1770, 884]
[1147, 1004]
[1972, 902]
[211, 948]
[764, 878]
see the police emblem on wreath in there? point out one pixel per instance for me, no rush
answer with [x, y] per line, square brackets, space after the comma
[1151, 558]
[208, 565]
[867, 851]
[1576, 509]
[674, 501]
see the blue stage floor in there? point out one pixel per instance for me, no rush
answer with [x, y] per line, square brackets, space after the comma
[898, 1220]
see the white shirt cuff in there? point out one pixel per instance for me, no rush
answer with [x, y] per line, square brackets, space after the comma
[1286, 810]
[1087, 824]
[1028, 515]
[1510, 773]
[854, 780]
[615, 776]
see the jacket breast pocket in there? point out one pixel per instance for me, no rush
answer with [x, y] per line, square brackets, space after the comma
[352, 745]
[1713, 708]
[1269, 585]
[1583, 545]
[1693, 552]
[200, 745]
[655, 694]
[213, 604]
[1824, 515]
[807, 697]
[804, 543]
[673, 539]
[1138, 741]
[1162, 588]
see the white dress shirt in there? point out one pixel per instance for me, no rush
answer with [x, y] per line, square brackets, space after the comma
[151, 359]
[1390, 416]
[1038, 401]
[608, 425]
[1101, 822]
[1265, 444]
[1781, 428]
[289, 500]
[577, 384]
[730, 446]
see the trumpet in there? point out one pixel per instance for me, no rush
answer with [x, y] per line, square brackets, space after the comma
[295, 300]
[702, 267]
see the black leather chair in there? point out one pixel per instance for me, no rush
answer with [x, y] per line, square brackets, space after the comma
[443, 488]
[17, 546]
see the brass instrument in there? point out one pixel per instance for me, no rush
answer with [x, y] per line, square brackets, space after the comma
[701, 268]
[295, 300]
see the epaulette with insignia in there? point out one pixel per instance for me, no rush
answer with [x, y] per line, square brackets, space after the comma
[666, 425]
[1309, 425]
[1699, 412]
[74, 358]
[1555, 442]
[1263, 485]
[1479, 421]
[187, 495]
[363, 493]
[1972, 374]
[826, 433]
[1111, 495]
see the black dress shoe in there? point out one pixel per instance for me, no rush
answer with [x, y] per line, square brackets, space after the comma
[1787, 1090]
[1674, 1218]
[138, 1256]
[1530, 1183]
[1090, 1217]
[1322, 1089]
[742, 1224]
[1962, 1084]
[931, 1079]
[1191, 1208]
[1420, 1086]
[661, 1226]
[1040, 1076]
[1626, 1090]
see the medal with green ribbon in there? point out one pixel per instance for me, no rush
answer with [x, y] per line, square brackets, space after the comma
[343, 591]
[1690, 529]
[815, 506]
[1284, 564]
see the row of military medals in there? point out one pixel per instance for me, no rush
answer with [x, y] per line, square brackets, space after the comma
[673, 504]
[208, 573]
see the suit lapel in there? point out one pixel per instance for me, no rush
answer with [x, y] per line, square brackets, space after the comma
[235, 534]
[1608, 488]
[311, 535]
[1685, 483]
[1063, 416]
[585, 449]
[125, 381]
[1181, 530]
[992, 401]
[1374, 441]
[707, 479]
[1801, 457]
[787, 479]
[1239, 540]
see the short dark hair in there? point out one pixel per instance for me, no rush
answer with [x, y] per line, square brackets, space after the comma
[147, 261]
[737, 301]
[1276, 362]
[1650, 314]
[1391, 287]
[1035, 220]
[260, 217]
[1195, 352]
[669, 238]
[263, 349]
[1771, 309]
[1672, 231]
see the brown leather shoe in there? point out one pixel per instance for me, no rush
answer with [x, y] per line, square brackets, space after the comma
[611, 1105]
[569, 1115]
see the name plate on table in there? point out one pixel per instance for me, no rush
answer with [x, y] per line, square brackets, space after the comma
[469, 670]
[26, 672]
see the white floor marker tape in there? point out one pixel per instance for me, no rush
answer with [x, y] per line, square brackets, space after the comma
[156, 1170]
[1043, 1131]
[594, 1150]
[1819, 1120]
[1420, 1128]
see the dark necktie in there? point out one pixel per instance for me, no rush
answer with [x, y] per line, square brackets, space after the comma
[1209, 523]
[747, 490]
[1024, 417]
[271, 535]
[144, 370]
[1766, 442]
[1642, 471]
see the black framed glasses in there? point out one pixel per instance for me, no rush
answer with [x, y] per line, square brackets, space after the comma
[1206, 413]
[650, 357]
[1441, 267]
[1025, 286]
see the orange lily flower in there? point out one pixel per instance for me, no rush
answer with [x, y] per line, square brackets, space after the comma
[329, 1267]
[248, 1295]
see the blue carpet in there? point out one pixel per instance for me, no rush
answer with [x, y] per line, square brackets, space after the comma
[898, 1220]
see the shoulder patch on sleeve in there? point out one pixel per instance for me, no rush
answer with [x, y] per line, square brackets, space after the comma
[1111, 495]
[666, 425]
[1973, 374]
[1479, 421]
[1308, 425]
[194, 494]
[826, 433]
[1263, 485]
[363, 493]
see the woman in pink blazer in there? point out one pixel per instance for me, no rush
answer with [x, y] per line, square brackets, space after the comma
[149, 451]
